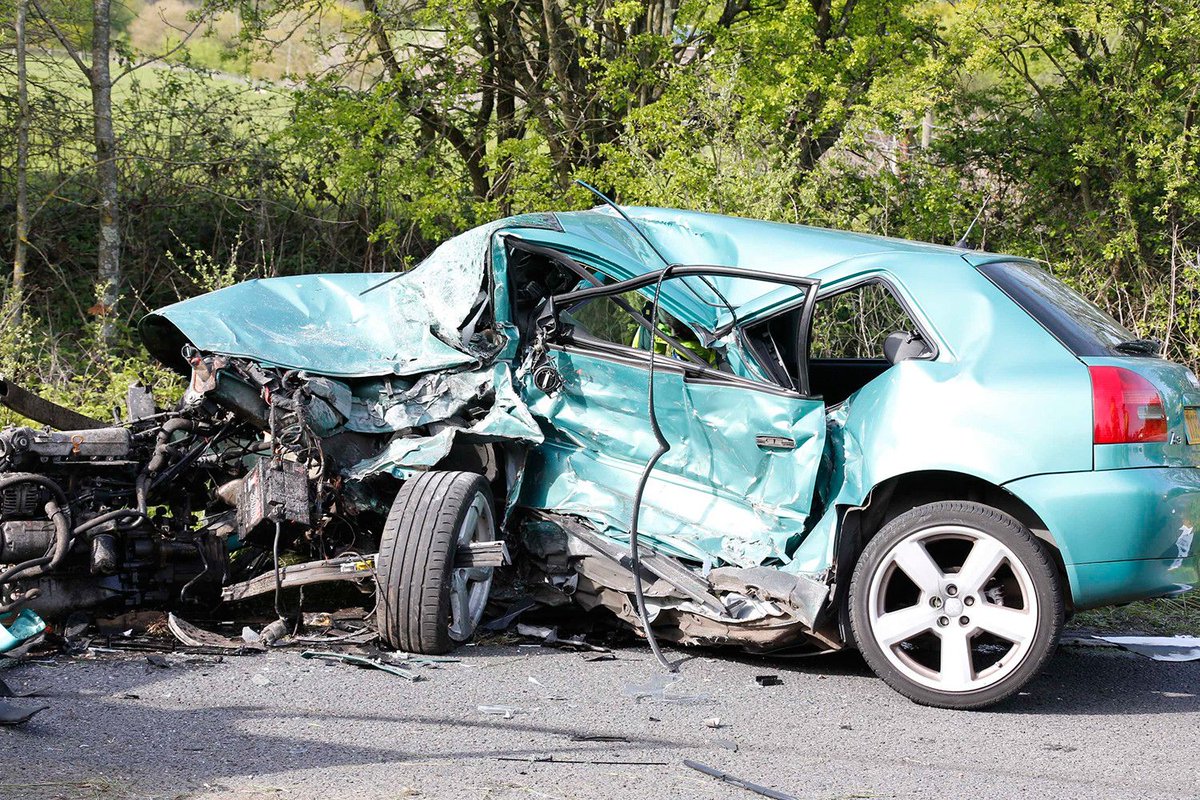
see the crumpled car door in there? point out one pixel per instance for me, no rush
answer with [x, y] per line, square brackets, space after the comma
[736, 485]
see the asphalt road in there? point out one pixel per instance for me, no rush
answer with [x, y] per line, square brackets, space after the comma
[1096, 724]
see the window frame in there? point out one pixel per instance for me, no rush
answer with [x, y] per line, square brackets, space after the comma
[890, 286]
[549, 319]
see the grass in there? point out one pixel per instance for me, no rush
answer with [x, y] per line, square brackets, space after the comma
[1168, 616]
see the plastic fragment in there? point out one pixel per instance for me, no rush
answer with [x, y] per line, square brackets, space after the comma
[508, 712]
[538, 632]
[768, 680]
[658, 690]
[23, 627]
[510, 616]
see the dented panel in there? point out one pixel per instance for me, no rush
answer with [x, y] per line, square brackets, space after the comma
[717, 496]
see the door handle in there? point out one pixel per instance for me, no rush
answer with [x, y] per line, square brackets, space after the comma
[771, 442]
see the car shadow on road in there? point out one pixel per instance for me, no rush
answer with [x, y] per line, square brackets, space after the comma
[125, 733]
[1077, 680]
[1095, 681]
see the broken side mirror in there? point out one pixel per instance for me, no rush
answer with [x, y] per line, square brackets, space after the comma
[905, 345]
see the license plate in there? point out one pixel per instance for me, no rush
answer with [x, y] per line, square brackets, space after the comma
[1191, 418]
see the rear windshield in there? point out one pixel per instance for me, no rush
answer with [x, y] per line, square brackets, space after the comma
[1074, 320]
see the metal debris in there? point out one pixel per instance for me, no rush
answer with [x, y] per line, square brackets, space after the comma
[362, 661]
[190, 635]
[738, 782]
[1159, 648]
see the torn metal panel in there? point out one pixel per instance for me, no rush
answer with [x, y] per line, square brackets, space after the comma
[346, 568]
[444, 401]
[747, 607]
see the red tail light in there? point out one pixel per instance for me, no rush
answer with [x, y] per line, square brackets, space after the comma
[1126, 407]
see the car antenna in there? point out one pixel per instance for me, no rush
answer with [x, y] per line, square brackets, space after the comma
[657, 252]
[625, 217]
[962, 243]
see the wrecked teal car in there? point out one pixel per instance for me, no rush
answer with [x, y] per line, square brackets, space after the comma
[717, 430]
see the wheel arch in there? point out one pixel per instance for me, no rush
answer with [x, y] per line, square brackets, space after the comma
[901, 493]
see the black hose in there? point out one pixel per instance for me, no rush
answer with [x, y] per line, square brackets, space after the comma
[162, 447]
[663, 447]
[188, 458]
[95, 522]
[54, 556]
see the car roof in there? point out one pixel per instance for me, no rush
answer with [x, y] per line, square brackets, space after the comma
[696, 237]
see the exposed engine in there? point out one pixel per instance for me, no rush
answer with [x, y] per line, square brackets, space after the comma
[169, 507]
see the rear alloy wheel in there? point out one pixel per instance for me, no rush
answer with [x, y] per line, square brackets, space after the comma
[955, 605]
[425, 603]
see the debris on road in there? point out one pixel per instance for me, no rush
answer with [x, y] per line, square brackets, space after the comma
[24, 627]
[739, 782]
[658, 690]
[1159, 648]
[768, 680]
[12, 714]
[713, 722]
[549, 637]
[190, 635]
[549, 759]
[362, 661]
[508, 712]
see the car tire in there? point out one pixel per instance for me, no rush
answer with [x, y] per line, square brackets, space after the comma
[956, 605]
[424, 603]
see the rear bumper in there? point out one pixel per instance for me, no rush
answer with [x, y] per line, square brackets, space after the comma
[1124, 534]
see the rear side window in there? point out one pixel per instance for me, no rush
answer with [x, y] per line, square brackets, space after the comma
[854, 323]
[1083, 328]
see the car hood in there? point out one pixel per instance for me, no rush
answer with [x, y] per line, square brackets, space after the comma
[345, 325]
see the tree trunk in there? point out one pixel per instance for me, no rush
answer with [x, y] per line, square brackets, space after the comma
[16, 300]
[109, 250]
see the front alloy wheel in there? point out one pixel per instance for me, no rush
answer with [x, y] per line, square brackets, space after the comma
[955, 605]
